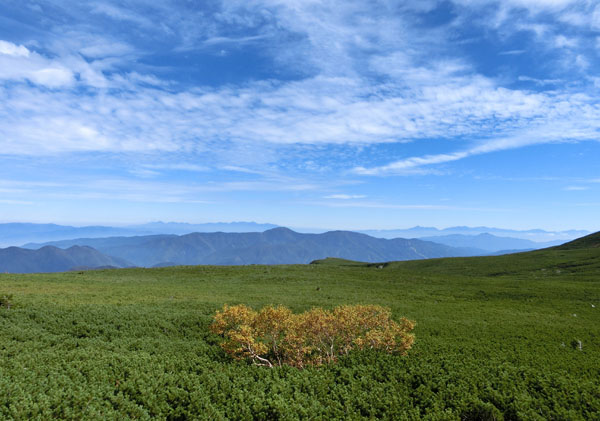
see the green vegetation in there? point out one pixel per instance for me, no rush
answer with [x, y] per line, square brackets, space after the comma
[589, 241]
[497, 338]
[6, 301]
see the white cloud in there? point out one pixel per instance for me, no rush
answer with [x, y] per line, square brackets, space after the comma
[402, 166]
[35, 8]
[265, 115]
[595, 18]
[512, 52]
[179, 167]
[15, 202]
[11, 49]
[534, 6]
[105, 48]
[576, 188]
[539, 29]
[373, 81]
[574, 18]
[146, 189]
[235, 168]
[230, 40]
[582, 62]
[380, 205]
[562, 41]
[123, 14]
[51, 77]
[540, 81]
[542, 4]
[144, 172]
[345, 196]
[552, 132]
[18, 63]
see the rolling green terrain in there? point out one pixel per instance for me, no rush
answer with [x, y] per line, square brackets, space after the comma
[497, 338]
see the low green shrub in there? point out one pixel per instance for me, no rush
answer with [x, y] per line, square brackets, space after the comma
[6, 301]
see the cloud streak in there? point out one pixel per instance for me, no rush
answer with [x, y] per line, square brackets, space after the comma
[307, 112]
[392, 206]
[408, 101]
[551, 132]
[334, 92]
[345, 196]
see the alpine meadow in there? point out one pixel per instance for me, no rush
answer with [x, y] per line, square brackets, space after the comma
[511, 337]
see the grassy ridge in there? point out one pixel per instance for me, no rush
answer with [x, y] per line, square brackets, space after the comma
[497, 337]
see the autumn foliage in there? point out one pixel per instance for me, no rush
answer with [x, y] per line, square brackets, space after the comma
[275, 336]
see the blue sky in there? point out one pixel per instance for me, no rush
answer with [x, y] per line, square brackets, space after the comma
[326, 114]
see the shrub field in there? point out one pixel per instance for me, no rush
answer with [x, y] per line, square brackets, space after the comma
[512, 337]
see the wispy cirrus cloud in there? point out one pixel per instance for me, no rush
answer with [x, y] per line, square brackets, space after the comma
[442, 98]
[395, 206]
[15, 202]
[113, 11]
[20, 64]
[550, 132]
[272, 96]
[345, 196]
[293, 113]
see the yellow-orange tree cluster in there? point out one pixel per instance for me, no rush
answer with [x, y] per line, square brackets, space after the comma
[275, 336]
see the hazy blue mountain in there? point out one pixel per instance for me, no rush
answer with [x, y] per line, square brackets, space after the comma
[13, 234]
[184, 228]
[490, 242]
[275, 246]
[536, 235]
[17, 234]
[54, 259]
[501, 252]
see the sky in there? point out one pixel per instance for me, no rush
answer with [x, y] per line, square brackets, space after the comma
[344, 114]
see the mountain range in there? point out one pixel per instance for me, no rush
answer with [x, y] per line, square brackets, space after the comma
[16, 234]
[535, 235]
[274, 246]
[54, 259]
[490, 243]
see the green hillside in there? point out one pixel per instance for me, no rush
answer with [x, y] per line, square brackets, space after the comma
[497, 338]
[589, 241]
[336, 261]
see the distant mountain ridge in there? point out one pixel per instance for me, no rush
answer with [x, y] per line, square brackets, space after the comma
[490, 243]
[274, 246]
[536, 235]
[181, 228]
[17, 234]
[54, 259]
